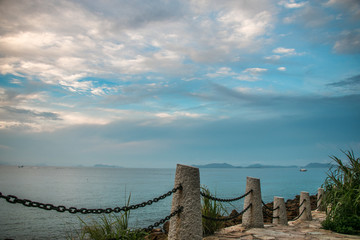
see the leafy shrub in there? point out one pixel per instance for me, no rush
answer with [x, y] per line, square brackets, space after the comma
[342, 195]
[212, 209]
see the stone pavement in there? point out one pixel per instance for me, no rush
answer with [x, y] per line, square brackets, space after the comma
[294, 231]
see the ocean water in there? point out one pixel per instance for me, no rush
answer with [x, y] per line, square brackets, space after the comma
[111, 187]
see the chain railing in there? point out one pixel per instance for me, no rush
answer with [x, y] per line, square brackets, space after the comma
[270, 209]
[317, 201]
[73, 210]
[296, 218]
[224, 219]
[226, 200]
[162, 221]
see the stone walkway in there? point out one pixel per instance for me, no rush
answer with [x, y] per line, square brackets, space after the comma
[294, 231]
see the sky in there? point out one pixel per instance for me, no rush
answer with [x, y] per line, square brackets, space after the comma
[156, 83]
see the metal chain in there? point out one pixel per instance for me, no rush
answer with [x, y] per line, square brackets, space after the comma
[265, 213]
[162, 221]
[271, 209]
[320, 197]
[228, 218]
[28, 203]
[302, 202]
[299, 215]
[225, 200]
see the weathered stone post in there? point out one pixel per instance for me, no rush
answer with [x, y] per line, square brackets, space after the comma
[320, 197]
[279, 213]
[306, 207]
[253, 217]
[186, 225]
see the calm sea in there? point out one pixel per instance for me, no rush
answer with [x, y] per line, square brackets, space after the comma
[111, 187]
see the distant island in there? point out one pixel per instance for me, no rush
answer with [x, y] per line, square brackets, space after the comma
[106, 166]
[226, 165]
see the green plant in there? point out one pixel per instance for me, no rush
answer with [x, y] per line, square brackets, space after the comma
[110, 227]
[342, 195]
[212, 209]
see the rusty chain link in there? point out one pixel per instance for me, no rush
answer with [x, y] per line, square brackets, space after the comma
[28, 203]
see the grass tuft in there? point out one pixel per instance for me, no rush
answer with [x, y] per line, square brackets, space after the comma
[106, 227]
[213, 209]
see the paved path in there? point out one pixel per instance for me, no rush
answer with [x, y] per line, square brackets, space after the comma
[296, 230]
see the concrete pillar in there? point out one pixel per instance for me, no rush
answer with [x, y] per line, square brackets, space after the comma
[320, 197]
[253, 217]
[306, 216]
[186, 225]
[279, 213]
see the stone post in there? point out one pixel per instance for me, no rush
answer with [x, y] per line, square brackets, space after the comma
[320, 197]
[279, 213]
[306, 216]
[186, 225]
[253, 217]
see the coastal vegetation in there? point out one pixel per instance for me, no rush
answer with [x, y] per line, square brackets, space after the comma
[109, 227]
[342, 195]
[212, 209]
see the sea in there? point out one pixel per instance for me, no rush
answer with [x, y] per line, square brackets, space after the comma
[86, 187]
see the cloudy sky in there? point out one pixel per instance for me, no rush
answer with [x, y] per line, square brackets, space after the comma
[154, 83]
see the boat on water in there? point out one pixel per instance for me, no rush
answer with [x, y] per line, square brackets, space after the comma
[303, 170]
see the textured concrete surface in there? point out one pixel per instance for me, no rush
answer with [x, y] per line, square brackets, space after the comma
[187, 225]
[254, 216]
[306, 206]
[296, 230]
[320, 195]
[280, 216]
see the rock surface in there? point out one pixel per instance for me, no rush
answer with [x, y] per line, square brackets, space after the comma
[296, 230]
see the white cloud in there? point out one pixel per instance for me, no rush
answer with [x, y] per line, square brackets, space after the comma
[282, 69]
[251, 74]
[292, 4]
[272, 57]
[177, 114]
[287, 51]
[221, 72]
[255, 70]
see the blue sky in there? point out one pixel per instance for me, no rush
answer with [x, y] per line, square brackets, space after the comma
[155, 83]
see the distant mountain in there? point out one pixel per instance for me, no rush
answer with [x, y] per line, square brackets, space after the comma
[105, 166]
[257, 165]
[226, 165]
[318, 165]
[269, 166]
[214, 165]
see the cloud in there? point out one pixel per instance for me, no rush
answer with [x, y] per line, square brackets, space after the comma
[351, 81]
[269, 126]
[273, 57]
[123, 38]
[351, 7]
[251, 74]
[312, 15]
[292, 4]
[255, 71]
[27, 119]
[348, 42]
[221, 72]
[286, 51]
[281, 69]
